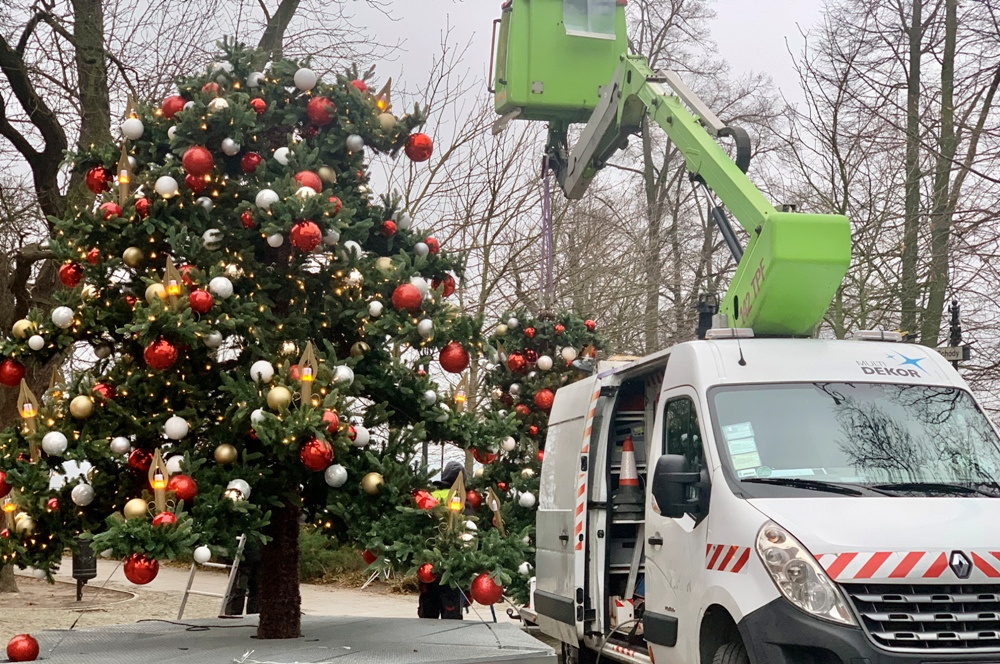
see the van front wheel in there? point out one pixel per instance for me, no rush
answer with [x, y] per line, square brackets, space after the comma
[731, 653]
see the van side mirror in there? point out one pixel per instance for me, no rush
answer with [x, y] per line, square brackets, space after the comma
[677, 490]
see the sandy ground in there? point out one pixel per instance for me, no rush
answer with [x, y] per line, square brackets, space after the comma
[110, 599]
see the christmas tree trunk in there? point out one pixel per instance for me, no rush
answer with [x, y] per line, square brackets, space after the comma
[280, 615]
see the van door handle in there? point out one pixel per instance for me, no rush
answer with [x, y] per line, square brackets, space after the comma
[564, 538]
[655, 540]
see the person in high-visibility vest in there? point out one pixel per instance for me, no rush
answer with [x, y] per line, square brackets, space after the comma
[437, 601]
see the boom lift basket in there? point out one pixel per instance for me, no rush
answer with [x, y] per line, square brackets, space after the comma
[553, 57]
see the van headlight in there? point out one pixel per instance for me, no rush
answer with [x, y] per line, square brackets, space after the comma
[798, 576]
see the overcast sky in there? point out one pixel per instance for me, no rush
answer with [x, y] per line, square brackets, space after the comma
[750, 35]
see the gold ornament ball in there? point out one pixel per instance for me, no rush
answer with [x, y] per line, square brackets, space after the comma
[387, 121]
[217, 104]
[135, 509]
[25, 524]
[371, 482]
[81, 407]
[132, 256]
[288, 349]
[225, 453]
[234, 271]
[91, 474]
[19, 516]
[501, 330]
[478, 472]
[22, 328]
[327, 174]
[279, 397]
[384, 265]
[528, 473]
[89, 293]
[359, 348]
[155, 292]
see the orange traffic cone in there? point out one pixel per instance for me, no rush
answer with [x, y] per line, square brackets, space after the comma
[627, 502]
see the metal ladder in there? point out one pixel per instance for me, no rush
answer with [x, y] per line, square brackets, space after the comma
[229, 584]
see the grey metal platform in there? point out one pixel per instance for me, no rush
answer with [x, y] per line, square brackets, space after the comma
[344, 640]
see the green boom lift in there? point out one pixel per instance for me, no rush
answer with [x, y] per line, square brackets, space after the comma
[567, 61]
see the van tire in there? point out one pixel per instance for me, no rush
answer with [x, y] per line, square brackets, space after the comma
[731, 653]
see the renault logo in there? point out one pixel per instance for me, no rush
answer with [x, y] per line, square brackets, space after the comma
[960, 564]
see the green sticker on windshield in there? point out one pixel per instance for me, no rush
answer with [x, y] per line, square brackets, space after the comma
[741, 461]
[737, 431]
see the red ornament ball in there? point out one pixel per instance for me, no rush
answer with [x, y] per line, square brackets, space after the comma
[485, 590]
[98, 179]
[522, 410]
[502, 486]
[309, 179]
[590, 325]
[200, 301]
[388, 228]
[52, 504]
[142, 207]
[419, 147]
[560, 328]
[473, 499]
[211, 87]
[11, 373]
[250, 161]
[105, 391]
[368, 556]
[544, 398]
[425, 573]
[360, 85]
[183, 487]
[160, 355]
[531, 356]
[516, 362]
[407, 297]
[22, 648]
[172, 105]
[316, 455]
[247, 220]
[186, 269]
[198, 161]
[93, 256]
[454, 358]
[5, 533]
[424, 500]
[484, 458]
[448, 282]
[71, 274]
[533, 430]
[4, 487]
[131, 300]
[195, 184]
[540, 456]
[164, 519]
[320, 110]
[529, 332]
[306, 236]
[332, 421]
[433, 245]
[337, 205]
[109, 210]
[258, 105]
[140, 569]
[140, 460]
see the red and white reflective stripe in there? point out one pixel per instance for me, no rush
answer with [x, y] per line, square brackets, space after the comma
[622, 650]
[630, 472]
[581, 478]
[902, 564]
[726, 557]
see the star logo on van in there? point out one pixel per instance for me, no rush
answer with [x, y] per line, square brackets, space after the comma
[912, 361]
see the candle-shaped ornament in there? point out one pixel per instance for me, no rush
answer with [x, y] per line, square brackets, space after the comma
[308, 366]
[9, 507]
[27, 406]
[455, 502]
[493, 502]
[173, 283]
[158, 480]
[382, 97]
[124, 177]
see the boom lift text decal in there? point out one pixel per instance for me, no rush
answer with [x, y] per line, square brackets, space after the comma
[746, 306]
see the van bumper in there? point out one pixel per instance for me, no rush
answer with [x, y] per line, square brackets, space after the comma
[779, 633]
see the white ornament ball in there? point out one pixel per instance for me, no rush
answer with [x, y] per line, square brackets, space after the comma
[38, 573]
[403, 220]
[240, 485]
[266, 198]
[175, 464]
[230, 147]
[305, 79]
[471, 525]
[132, 129]
[262, 371]
[527, 500]
[421, 249]
[355, 143]
[175, 427]
[171, 133]
[524, 569]
[509, 444]
[54, 443]
[212, 239]
[221, 67]
[281, 156]
[62, 317]
[303, 193]
[205, 202]
[331, 237]
[335, 476]
[82, 494]
[568, 353]
[217, 104]
[544, 362]
[121, 445]
[36, 342]
[430, 397]
[513, 323]
[425, 328]
[255, 79]
[361, 436]
[166, 186]
[375, 309]
[213, 339]
[275, 240]
[421, 284]
[189, 105]
[353, 249]
[445, 413]
[221, 287]
[202, 554]
[133, 163]
[343, 374]
[258, 416]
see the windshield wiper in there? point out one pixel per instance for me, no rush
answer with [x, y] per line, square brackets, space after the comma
[932, 487]
[813, 485]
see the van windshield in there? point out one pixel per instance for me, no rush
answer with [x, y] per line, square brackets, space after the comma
[894, 439]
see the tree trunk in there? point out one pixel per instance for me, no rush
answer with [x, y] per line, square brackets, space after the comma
[280, 602]
[908, 286]
[8, 583]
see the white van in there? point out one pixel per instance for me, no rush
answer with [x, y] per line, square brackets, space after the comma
[805, 502]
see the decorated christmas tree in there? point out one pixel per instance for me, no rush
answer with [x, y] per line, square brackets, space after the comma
[264, 340]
